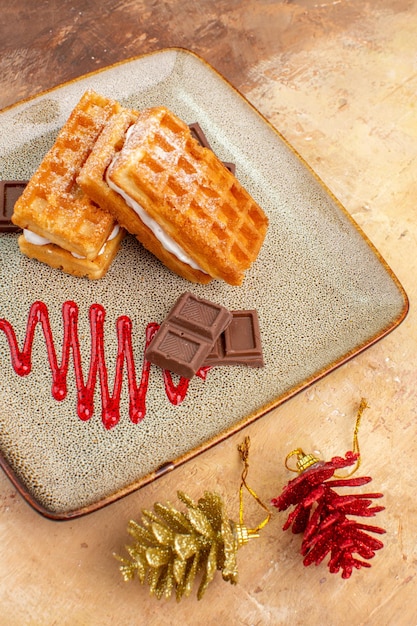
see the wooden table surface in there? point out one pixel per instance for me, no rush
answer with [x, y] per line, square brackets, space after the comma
[339, 80]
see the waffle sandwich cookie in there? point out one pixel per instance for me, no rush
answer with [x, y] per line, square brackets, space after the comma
[62, 226]
[175, 196]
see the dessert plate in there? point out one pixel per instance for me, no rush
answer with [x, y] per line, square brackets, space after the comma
[321, 290]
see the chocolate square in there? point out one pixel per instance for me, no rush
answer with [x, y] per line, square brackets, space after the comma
[187, 335]
[10, 191]
[198, 134]
[240, 343]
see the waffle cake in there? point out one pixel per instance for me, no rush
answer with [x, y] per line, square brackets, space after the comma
[177, 198]
[61, 225]
[92, 179]
[69, 262]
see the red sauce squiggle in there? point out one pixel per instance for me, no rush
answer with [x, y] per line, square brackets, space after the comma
[110, 402]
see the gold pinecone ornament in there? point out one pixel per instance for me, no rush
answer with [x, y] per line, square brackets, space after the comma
[171, 548]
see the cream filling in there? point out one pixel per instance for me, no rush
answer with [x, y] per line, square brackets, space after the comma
[34, 239]
[37, 240]
[165, 240]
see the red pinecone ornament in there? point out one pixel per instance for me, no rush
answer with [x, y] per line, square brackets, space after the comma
[321, 514]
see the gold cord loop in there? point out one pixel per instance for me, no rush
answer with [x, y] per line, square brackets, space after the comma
[244, 534]
[304, 461]
[355, 444]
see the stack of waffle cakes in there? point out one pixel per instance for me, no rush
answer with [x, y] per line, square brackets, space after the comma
[113, 170]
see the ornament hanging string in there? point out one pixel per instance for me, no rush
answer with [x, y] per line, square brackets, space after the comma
[244, 455]
[355, 446]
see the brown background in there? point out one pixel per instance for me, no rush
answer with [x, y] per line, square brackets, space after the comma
[339, 80]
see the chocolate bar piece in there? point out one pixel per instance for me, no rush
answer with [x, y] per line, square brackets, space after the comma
[186, 336]
[230, 166]
[197, 133]
[240, 343]
[10, 190]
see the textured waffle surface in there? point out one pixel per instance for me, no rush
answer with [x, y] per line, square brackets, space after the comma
[92, 175]
[92, 179]
[53, 205]
[191, 194]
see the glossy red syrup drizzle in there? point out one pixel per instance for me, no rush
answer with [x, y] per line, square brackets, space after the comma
[22, 362]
